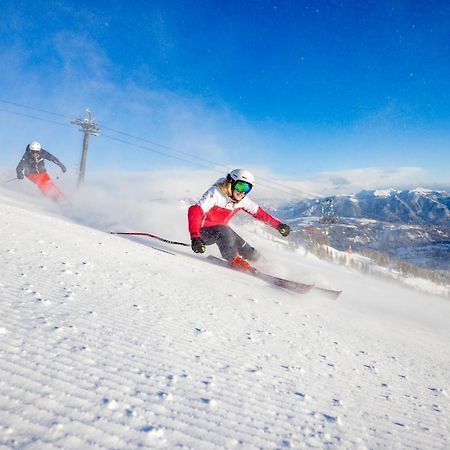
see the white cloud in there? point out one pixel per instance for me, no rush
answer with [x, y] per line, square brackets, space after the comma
[375, 178]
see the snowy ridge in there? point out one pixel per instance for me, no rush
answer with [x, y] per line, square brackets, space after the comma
[422, 191]
[418, 206]
[384, 192]
[108, 343]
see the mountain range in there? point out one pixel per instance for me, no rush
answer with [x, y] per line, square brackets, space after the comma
[413, 224]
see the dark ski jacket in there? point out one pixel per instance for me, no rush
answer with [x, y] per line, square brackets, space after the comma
[29, 164]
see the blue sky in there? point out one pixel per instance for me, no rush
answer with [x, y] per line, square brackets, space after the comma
[293, 89]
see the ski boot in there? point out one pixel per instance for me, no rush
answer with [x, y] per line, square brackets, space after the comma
[240, 263]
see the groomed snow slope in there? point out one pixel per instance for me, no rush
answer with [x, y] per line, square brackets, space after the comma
[109, 343]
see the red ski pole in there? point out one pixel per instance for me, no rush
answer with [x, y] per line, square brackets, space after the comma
[150, 236]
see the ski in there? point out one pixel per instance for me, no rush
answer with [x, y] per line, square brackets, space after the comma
[294, 286]
[299, 288]
[331, 293]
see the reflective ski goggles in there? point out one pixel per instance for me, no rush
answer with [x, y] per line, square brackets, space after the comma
[242, 187]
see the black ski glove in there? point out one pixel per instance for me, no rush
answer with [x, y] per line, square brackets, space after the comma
[20, 176]
[197, 245]
[284, 229]
[63, 168]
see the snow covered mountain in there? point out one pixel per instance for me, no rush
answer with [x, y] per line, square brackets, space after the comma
[112, 343]
[418, 206]
[413, 225]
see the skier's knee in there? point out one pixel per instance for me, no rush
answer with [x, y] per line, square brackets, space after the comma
[249, 252]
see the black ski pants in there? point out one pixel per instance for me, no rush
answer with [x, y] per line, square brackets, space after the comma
[229, 242]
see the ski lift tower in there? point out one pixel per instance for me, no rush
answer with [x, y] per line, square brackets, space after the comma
[328, 216]
[88, 127]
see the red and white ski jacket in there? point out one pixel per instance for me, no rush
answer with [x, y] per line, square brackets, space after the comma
[216, 208]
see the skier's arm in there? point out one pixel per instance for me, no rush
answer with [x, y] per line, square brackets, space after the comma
[20, 167]
[282, 228]
[197, 212]
[53, 159]
[195, 218]
[252, 208]
[258, 213]
[265, 217]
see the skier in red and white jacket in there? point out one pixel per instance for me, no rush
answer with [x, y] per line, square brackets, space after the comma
[209, 217]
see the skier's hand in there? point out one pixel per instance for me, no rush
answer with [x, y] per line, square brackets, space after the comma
[63, 168]
[197, 245]
[20, 176]
[284, 229]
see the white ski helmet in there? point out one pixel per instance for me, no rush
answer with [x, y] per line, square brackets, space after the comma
[241, 175]
[35, 146]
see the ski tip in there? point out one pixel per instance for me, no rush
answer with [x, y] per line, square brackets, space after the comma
[329, 293]
[334, 295]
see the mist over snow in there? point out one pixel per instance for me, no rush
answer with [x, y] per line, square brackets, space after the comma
[108, 342]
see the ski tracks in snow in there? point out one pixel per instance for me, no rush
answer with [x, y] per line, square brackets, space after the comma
[108, 344]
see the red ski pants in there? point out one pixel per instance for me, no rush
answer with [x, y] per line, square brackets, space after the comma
[46, 185]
